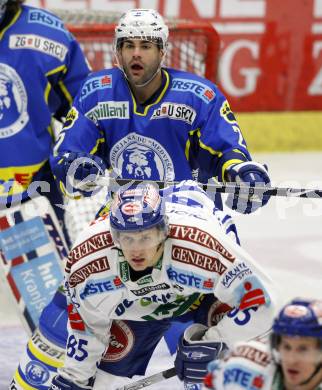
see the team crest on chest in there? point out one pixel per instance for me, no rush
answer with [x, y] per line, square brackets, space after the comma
[13, 102]
[141, 158]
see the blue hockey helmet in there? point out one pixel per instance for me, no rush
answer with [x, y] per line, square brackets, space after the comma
[301, 318]
[136, 209]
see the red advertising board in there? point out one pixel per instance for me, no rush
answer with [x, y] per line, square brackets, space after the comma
[271, 56]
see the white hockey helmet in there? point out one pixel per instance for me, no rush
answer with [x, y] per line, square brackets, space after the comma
[144, 24]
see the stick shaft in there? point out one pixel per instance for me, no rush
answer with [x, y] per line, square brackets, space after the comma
[150, 380]
[229, 188]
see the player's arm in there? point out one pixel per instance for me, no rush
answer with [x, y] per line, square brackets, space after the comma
[250, 293]
[223, 153]
[76, 155]
[88, 336]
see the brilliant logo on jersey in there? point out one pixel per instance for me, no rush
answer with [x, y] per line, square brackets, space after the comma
[13, 102]
[148, 289]
[193, 234]
[227, 114]
[109, 110]
[94, 267]
[202, 91]
[95, 84]
[141, 158]
[200, 260]
[39, 43]
[175, 111]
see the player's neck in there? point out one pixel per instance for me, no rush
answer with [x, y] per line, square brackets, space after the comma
[142, 94]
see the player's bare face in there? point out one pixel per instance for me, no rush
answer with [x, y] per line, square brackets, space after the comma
[299, 359]
[140, 60]
[142, 249]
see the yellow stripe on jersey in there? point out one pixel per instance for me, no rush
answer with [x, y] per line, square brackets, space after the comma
[22, 383]
[44, 358]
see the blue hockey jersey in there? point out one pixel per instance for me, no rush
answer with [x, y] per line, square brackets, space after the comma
[41, 70]
[187, 130]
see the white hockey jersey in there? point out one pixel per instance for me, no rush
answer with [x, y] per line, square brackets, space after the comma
[199, 257]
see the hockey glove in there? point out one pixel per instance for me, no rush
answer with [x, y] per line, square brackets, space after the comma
[194, 354]
[81, 171]
[248, 173]
[60, 383]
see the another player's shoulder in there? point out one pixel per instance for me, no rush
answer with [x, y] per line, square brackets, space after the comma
[44, 23]
[91, 248]
[189, 82]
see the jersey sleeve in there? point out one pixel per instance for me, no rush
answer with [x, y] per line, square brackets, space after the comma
[88, 325]
[65, 80]
[80, 133]
[219, 139]
[88, 335]
[251, 294]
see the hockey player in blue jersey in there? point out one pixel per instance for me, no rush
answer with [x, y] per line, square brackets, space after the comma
[144, 121]
[41, 70]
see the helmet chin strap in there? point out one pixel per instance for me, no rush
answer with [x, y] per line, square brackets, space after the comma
[315, 372]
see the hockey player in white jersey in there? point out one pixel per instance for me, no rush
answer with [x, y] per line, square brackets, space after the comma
[153, 259]
[292, 360]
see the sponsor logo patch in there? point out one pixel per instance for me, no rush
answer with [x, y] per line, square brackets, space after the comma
[193, 234]
[202, 91]
[109, 110]
[227, 114]
[181, 112]
[190, 280]
[148, 289]
[200, 260]
[253, 354]
[91, 245]
[121, 342]
[71, 118]
[39, 43]
[41, 17]
[238, 272]
[37, 373]
[94, 267]
[95, 84]
[75, 320]
[101, 286]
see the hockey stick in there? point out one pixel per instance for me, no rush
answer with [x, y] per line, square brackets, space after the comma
[229, 188]
[150, 380]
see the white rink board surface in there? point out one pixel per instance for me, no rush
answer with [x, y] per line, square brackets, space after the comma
[285, 237]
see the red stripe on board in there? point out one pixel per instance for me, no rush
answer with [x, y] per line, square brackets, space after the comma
[13, 287]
